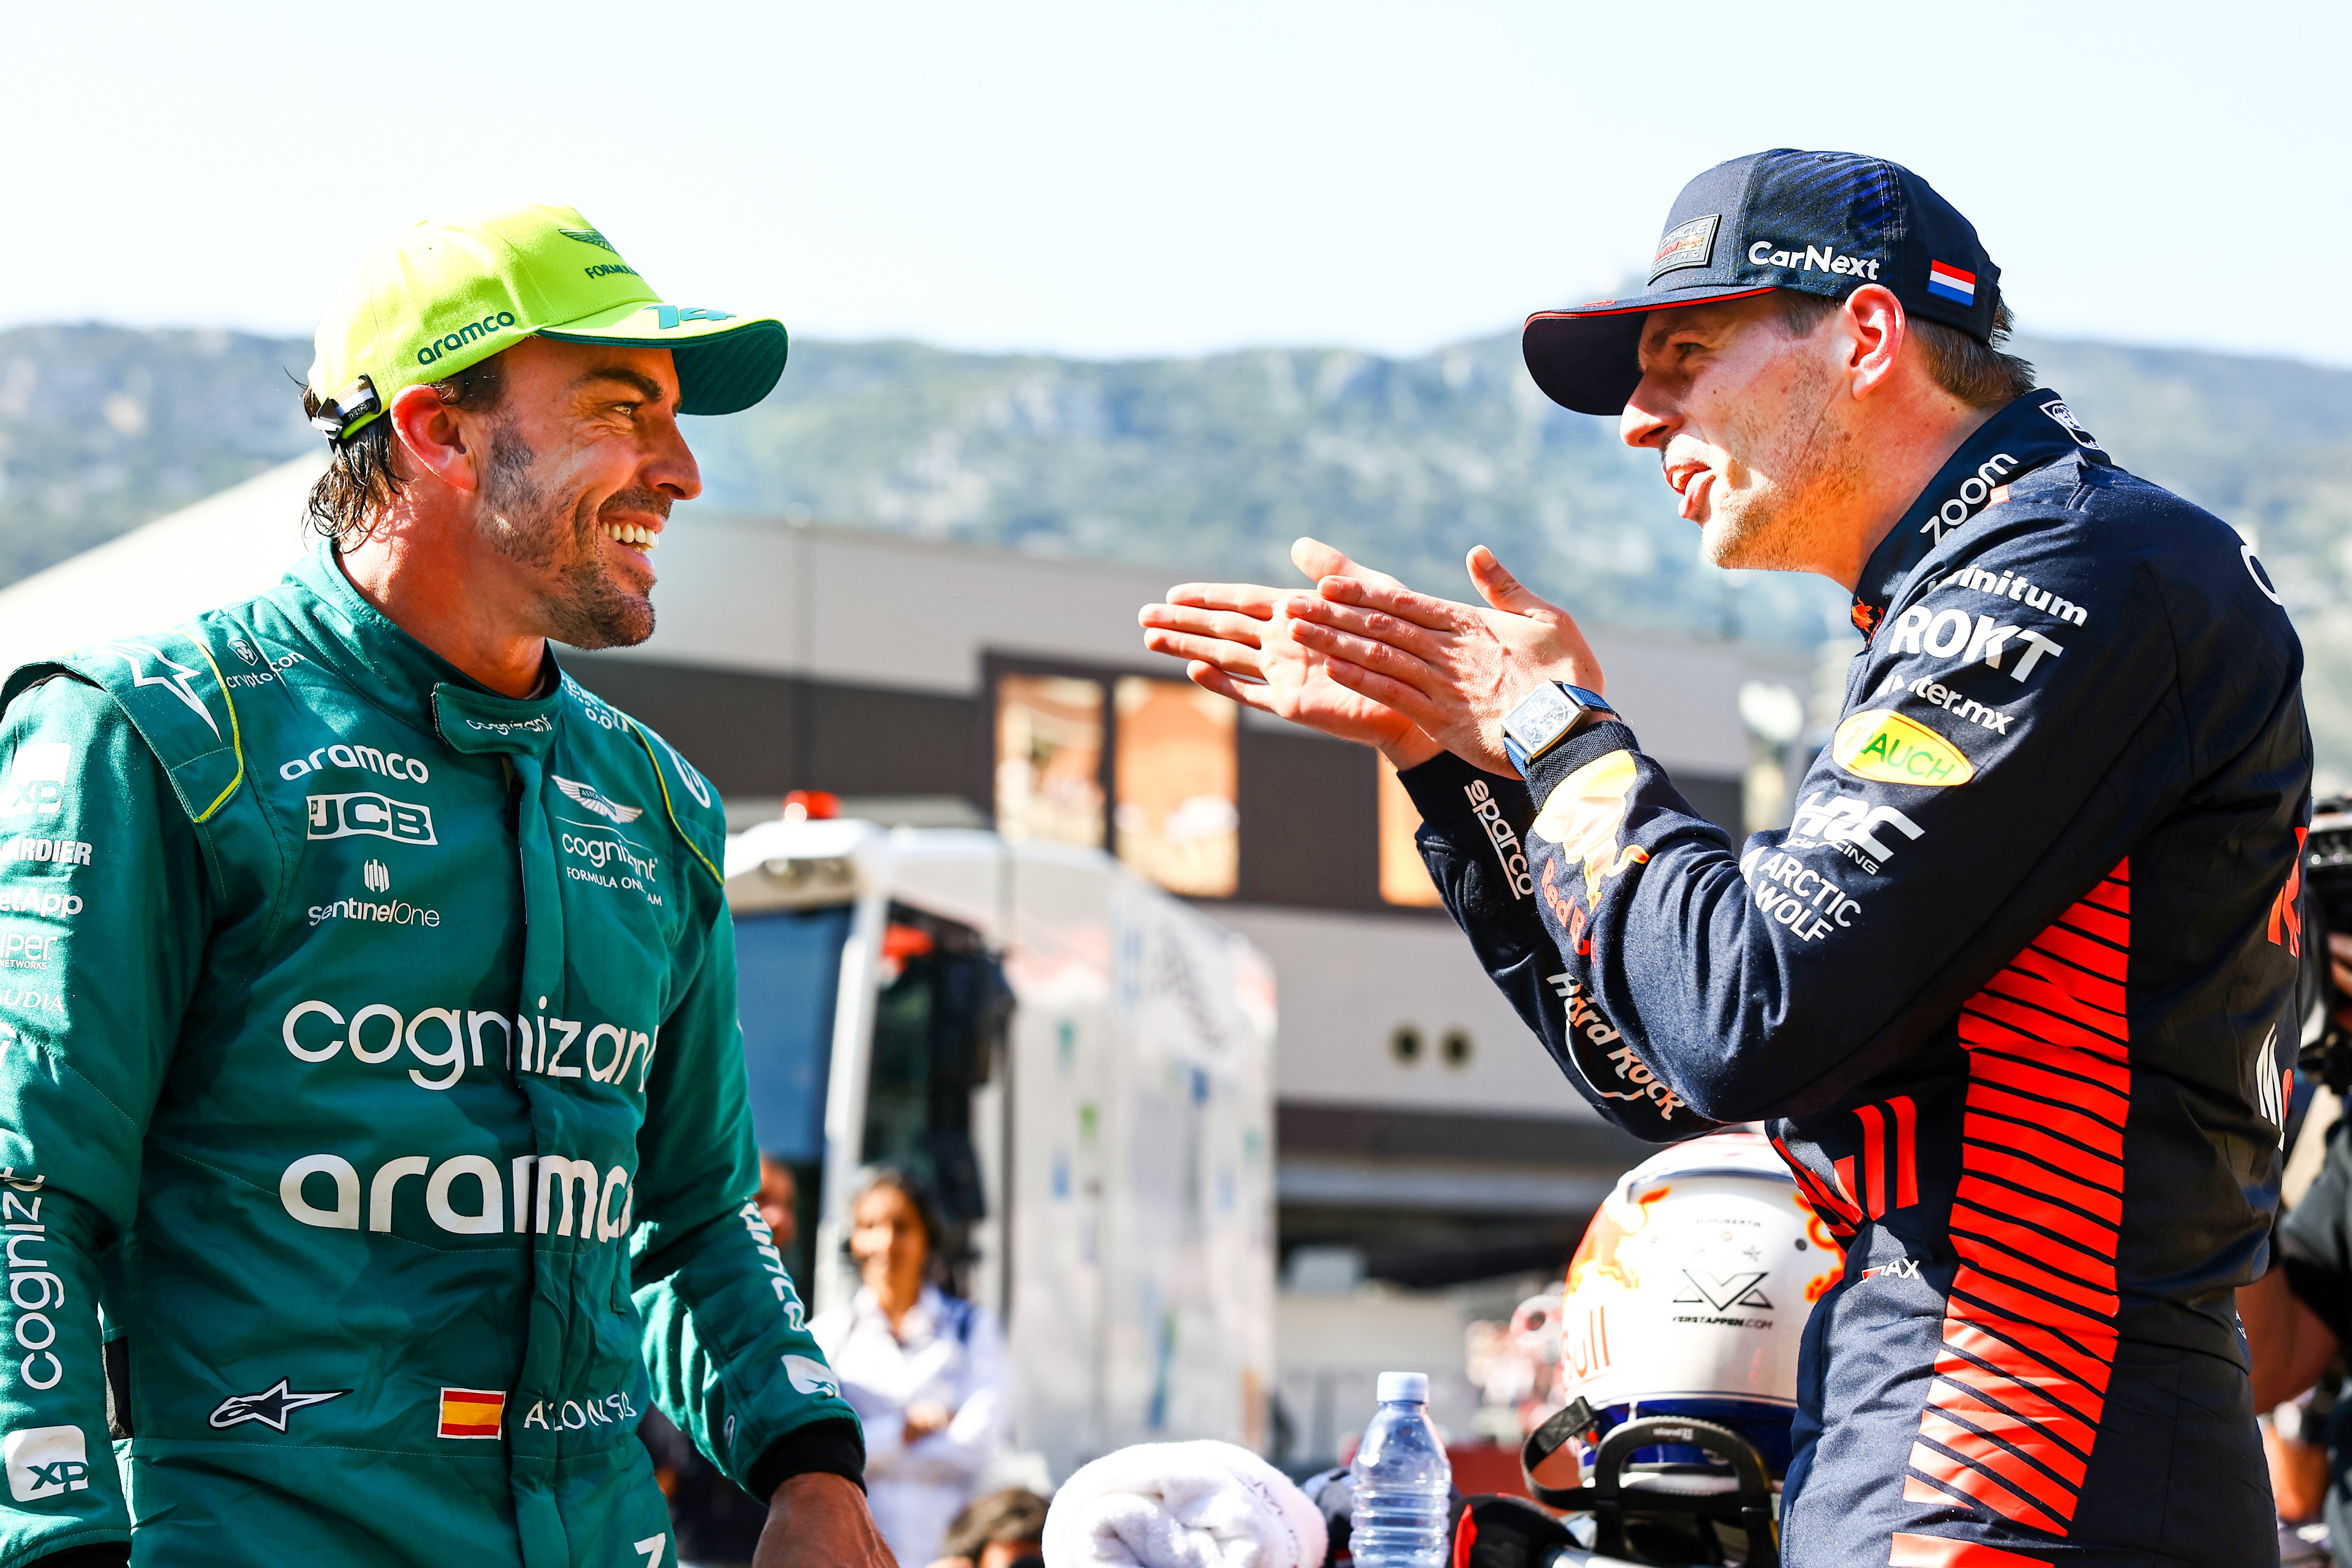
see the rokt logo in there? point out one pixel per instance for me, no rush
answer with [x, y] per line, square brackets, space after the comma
[380, 816]
[46, 1462]
[1942, 634]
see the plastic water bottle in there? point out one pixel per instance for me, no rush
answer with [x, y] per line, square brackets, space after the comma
[1402, 1482]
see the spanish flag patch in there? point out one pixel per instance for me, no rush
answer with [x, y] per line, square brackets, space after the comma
[472, 1412]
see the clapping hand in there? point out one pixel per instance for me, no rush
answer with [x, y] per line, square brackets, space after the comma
[1450, 671]
[1237, 641]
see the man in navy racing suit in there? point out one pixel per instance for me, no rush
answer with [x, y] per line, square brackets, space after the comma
[2014, 988]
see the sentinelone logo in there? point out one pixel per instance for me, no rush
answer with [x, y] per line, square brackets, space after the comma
[393, 912]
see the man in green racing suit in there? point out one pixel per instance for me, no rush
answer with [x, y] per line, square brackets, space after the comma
[376, 1142]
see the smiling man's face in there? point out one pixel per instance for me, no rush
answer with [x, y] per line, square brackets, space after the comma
[585, 458]
[1748, 423]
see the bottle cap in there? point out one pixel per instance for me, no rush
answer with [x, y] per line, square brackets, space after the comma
[1411, 1386]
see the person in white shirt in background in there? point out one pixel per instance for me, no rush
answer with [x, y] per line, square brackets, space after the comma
[924, 1370]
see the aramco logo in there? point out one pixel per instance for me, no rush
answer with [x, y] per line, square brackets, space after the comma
[379, 880]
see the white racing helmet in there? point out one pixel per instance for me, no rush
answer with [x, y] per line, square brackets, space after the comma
[1689, 1294]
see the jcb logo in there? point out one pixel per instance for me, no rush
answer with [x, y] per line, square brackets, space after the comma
[378, 815]
[46, 1462]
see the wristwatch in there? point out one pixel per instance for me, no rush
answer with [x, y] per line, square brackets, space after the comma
[1548, 715]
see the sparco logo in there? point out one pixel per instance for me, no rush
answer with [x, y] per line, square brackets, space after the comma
[391, 765]
[1504, 837]
[380, 816]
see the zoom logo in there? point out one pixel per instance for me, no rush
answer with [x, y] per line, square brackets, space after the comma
[377, 815]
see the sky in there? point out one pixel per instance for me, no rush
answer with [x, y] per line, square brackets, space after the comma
[1110, 180]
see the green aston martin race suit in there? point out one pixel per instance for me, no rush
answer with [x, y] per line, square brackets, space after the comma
[370, 1084]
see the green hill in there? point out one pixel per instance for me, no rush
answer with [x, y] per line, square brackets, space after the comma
[1211, 466]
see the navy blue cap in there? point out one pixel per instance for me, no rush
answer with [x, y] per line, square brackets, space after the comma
[1822, 223]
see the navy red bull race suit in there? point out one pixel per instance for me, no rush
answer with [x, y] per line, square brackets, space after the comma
[2013, 991]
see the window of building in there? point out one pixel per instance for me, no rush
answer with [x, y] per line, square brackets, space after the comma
[1049, 759]
[1176, 774]
[1404, 879]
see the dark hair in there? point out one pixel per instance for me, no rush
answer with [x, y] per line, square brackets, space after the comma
[1979, 374]
[917, 1193]
[360, 477]
[1007, 1518]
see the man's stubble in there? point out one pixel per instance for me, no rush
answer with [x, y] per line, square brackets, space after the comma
[1800, 466]
[580, 604]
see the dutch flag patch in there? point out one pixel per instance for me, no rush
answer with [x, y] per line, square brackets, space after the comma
[1946, 282]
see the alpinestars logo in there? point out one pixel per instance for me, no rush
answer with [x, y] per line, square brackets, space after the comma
[595, 800]
[271, 1406]
[142, 660]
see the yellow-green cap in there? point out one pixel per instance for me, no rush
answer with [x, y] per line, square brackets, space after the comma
[451, 292]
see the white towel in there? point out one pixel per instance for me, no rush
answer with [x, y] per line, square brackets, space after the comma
[1182, 1505]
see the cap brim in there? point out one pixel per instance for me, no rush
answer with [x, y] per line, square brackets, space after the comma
[1589, 358]
[725, 364]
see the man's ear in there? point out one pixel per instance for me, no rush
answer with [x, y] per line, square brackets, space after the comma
[1876, 329]
[434, 440]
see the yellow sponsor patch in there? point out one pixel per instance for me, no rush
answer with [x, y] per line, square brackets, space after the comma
[1582, 814]
[1886, 746]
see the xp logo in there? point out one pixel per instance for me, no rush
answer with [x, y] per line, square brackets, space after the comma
[35, 785]
[46, 1462]
[378, 879]
[380, 816]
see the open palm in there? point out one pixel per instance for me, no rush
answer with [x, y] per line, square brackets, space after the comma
[1236, 639]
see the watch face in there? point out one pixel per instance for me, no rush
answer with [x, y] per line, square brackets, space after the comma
[1542, 717]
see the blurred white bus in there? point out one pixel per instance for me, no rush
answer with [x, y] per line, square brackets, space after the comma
[1081, 1065]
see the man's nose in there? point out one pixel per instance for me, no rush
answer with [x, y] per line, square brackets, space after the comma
[1648, 418]
[672, 468]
